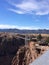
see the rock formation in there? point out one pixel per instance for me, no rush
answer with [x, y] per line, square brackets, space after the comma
[24, 56]
[13, 50]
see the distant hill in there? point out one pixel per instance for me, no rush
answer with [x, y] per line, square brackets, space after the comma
[25, 31]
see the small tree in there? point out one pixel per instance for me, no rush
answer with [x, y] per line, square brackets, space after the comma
[47, 40]
[39, 37]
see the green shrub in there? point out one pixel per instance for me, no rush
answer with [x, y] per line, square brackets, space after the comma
[39, 37]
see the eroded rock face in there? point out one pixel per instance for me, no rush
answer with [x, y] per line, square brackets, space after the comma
[13, 50]
[24, 56]
[9, 45]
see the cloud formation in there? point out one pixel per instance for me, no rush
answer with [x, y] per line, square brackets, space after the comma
[37, 7]
[2, 26]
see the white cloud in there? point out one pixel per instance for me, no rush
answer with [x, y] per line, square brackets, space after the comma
[37, 7]
[2, 26]
[16, 11]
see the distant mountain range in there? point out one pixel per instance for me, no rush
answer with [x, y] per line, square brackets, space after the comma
[44, 31]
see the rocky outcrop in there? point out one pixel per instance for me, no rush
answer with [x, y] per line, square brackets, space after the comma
[24, 56]
[9, 45]
[13, 50]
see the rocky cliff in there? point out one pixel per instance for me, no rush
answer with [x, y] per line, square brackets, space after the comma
[9, 45]
[24, 56]
[13, 50]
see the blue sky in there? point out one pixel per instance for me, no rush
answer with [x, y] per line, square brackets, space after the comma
[24, 14]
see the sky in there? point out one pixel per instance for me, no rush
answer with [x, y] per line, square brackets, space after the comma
[24, 14]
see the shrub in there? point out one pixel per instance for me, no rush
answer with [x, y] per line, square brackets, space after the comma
[39, 37]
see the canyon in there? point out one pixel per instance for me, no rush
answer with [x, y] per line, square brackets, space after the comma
[14, 51]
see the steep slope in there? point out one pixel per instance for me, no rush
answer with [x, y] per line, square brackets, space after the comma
[24, 56]
[9, 44]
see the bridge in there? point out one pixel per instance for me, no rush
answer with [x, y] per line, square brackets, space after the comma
[27, 38]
